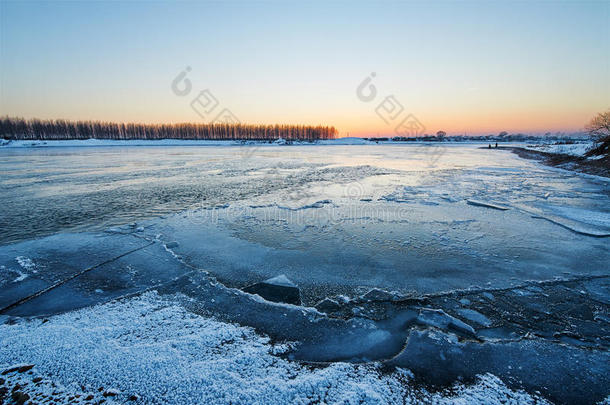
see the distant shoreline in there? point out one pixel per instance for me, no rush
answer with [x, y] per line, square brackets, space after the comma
[39, 143]
[92, 142]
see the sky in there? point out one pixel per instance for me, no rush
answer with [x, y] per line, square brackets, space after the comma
[474, 67]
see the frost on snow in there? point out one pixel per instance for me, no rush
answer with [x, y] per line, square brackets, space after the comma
[150, 350]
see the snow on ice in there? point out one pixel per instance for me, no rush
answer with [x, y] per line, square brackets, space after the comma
[152, 349]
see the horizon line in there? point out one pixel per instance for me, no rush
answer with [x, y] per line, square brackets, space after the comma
[340, 134]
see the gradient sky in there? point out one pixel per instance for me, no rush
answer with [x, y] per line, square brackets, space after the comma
[464, 67]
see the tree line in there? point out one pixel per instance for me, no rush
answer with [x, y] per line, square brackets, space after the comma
[35, 129]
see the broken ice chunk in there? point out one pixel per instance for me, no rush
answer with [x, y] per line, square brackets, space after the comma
[328, 305]
[277, 289]
[440, 319]
[487, 205]
[474, 316]
[379, 295]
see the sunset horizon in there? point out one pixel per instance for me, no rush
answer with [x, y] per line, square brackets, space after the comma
[340, 133]
[472, 68]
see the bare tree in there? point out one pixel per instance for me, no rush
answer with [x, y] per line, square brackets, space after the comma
[599, 129]
[34, 129]
[599, 126]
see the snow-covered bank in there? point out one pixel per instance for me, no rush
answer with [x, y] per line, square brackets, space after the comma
[152, 350]
[577, 157]
[113, 142]
[171, 142]
[573, 149]
[346, 141]
[201, 142]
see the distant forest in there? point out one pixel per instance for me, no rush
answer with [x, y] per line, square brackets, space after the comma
[34, 129]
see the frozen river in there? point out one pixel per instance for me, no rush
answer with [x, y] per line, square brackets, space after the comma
[458, 238]
[332, 218]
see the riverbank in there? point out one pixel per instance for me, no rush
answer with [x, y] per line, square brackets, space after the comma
[582, 164]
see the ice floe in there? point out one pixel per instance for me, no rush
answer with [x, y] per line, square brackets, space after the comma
[480, 203]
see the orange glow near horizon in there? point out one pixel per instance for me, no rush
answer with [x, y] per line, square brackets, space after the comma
[371, 125]
[462, 67]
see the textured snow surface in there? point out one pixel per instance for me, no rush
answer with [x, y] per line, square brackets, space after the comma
[575, 149]
[152, 348]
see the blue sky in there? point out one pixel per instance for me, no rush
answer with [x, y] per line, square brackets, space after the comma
[474, 67]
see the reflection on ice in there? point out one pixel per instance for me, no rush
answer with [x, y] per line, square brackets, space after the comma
[335, 219]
